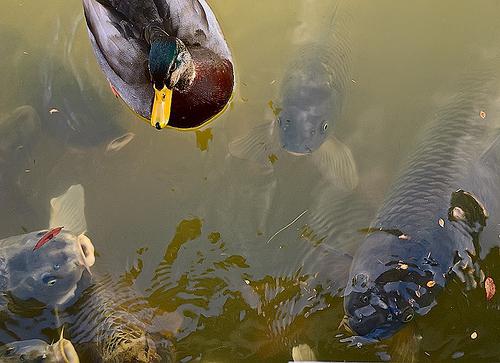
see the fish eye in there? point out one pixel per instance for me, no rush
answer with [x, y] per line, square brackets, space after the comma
[364, 299]
[408, 315]
[49, 280]
[325, 126]
[408, 318]
[9, 351]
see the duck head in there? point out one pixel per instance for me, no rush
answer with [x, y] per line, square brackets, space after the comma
[171, 68]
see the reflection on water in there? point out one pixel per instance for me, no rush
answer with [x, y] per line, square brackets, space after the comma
[183, 228]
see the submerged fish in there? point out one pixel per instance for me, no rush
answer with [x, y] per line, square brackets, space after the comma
[73, 110]
[312, 96]
[109, 323]
[50, 272]
[36, 350]
[429, 228]
[19, 133]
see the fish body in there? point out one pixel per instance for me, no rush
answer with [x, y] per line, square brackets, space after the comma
[73, 110]
[310, 101]
[20, 130]
[109, 323]
[313, 87]
[34, 266]
[49, 274]
[36, 350]
[428, 230]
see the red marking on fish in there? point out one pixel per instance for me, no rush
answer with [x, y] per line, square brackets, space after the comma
[47, 237]
[113, 89]
[489, 286]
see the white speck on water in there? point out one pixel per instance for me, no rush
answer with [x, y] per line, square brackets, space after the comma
[53, 110]
[473, 335]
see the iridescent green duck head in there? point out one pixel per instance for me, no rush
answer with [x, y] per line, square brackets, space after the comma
[171, 68]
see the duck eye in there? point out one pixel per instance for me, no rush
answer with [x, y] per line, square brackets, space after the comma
[49, 280]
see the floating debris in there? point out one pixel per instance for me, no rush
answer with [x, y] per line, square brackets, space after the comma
[482, 114]
[272, 158]
[473, 335]
[120, 142]
[288, 225]
[457, 355]
[458, 213]
[489, 286]
[441, 222]
[53, 110]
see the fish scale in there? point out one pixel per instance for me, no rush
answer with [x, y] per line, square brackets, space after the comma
[110, 320]
[457, 162]
[436, 167]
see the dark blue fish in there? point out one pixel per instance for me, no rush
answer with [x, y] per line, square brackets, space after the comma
[438, 211]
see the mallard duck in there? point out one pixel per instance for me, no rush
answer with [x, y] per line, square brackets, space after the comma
[167, 59]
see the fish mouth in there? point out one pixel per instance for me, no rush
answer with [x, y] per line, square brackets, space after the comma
[87, 250]
[65, 351]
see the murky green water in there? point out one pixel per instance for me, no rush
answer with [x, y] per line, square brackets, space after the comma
[188, 224]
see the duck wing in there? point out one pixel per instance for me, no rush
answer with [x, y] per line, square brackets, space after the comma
[117, 41]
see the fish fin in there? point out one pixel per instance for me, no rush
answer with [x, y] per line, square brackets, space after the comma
[338, 218]
[486, 172]
[303, 353]
[260, 145]
[68, 210]
[336, 163]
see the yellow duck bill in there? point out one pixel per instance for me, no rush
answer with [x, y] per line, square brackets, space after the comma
[162, 103]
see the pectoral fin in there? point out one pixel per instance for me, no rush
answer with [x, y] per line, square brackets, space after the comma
[68, 210]
[260, 146]
[336, 163]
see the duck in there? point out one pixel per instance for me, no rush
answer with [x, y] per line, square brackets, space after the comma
[168, 60]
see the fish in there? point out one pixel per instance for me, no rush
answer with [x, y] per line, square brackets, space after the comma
[311, 98]
[110, 322]
[430, 228]
[32, 267]
[20, 131]
[71, 107]
[36, 350]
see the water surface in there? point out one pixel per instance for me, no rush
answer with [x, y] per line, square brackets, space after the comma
[190, 228]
